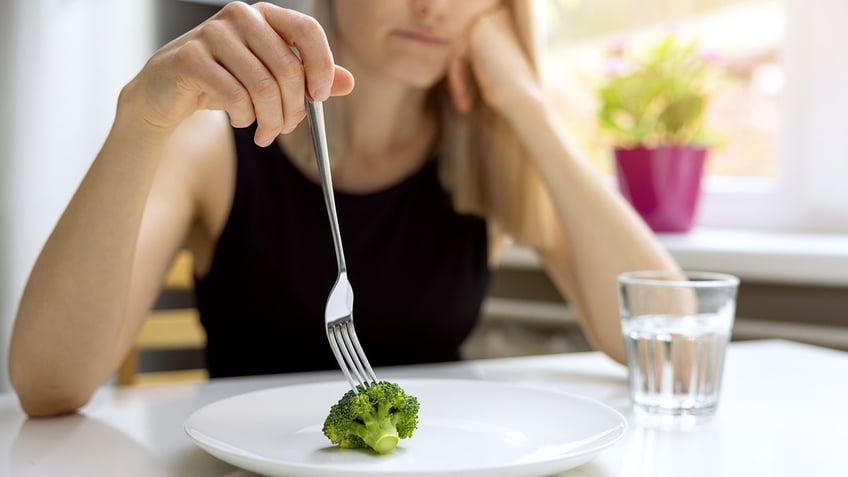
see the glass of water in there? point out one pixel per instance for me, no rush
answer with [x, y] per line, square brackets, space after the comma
[676, 326]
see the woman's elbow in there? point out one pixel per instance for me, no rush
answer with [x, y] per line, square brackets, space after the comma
[616, 353]
[50, 402]
[40, 397]
[37, 406]
[609, 342]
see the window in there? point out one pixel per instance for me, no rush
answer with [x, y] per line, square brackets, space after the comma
[780, 112]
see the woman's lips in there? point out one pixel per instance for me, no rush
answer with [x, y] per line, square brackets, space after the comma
[419, 37]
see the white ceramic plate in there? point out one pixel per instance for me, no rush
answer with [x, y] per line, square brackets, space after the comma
[468, 428]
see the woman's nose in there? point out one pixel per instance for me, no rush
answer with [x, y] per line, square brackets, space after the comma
[430, 10]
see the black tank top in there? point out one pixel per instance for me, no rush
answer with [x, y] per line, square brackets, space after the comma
[419, 270]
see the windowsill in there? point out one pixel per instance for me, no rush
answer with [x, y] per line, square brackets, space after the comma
[815, 259]
[763, 256]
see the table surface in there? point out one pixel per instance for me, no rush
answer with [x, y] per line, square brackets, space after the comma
[782, 413]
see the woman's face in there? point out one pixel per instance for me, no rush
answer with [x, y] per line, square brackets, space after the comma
[410, 40]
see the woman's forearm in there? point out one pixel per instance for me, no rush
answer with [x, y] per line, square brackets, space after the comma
[604, 236]
[72, 309]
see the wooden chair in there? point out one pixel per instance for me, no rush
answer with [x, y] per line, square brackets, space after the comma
[173, 325]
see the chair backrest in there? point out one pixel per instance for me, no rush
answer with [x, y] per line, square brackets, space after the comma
[169, 346]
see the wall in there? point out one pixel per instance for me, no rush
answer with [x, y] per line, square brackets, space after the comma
[64, 62]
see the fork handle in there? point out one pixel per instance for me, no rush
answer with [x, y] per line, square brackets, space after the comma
[315, 113]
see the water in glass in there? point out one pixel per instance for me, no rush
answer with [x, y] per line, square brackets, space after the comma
[676, 361]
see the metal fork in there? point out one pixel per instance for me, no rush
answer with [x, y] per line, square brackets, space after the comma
[338, 314]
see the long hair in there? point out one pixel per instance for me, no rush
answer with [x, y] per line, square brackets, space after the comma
[482, 163]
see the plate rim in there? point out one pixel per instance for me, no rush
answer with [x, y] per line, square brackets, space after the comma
[608, 439]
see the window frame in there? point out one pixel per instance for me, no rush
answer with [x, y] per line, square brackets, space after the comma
[805, 197]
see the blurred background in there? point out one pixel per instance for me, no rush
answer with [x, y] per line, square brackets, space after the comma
[774, 207]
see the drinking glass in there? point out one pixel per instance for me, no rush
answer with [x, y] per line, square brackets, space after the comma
[676, 327]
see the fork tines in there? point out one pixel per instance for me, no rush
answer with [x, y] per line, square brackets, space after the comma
[349, 354]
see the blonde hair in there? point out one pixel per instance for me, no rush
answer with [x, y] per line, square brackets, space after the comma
[482, 163]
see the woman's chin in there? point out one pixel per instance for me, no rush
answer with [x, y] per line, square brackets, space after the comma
[418, 76]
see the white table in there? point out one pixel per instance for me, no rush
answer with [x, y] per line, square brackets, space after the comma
[784, 412]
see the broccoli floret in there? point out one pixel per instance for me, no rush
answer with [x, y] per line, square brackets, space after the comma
[376, 417]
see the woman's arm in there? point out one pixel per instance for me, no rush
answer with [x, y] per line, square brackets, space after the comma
[599, 234]
[72, 312]
[102, 266]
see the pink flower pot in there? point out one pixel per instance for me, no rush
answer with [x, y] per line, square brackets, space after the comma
[663, 184]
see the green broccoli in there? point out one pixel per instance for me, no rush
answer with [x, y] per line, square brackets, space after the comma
[376, 417]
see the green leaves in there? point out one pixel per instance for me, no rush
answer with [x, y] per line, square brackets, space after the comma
[658, 96]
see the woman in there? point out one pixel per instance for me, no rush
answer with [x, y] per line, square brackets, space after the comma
[445, 145]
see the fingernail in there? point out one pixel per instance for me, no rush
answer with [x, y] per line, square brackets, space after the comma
[321, 93]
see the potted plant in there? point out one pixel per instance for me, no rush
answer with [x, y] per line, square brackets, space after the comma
[652, 106]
